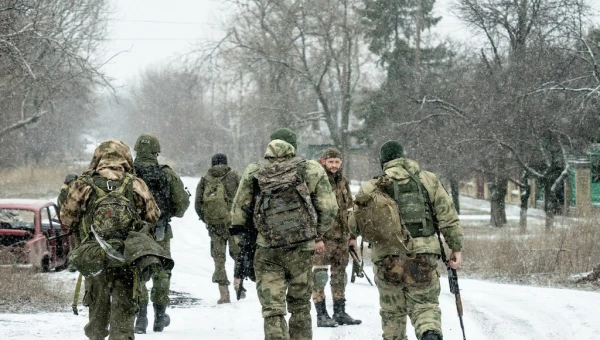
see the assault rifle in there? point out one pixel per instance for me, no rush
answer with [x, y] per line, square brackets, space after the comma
[360, 271]
[244, 263]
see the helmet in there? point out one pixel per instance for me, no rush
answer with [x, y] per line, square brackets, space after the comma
[147, 143]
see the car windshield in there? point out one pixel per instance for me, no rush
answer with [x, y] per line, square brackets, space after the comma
[17, 219]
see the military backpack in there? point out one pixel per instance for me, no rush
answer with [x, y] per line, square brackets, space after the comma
[284, 214]
[216, 204]
[379, 220]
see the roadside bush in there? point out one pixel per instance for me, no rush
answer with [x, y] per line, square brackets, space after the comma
[535, 257]
[34, 182]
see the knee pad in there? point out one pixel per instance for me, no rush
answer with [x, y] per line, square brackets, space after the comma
[321, 278]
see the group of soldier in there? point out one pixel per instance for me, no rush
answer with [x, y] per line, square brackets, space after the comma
[298, 215]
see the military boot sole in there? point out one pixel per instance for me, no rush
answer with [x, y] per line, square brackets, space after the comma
[344, 321]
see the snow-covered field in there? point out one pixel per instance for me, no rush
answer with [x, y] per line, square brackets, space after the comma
[492, 311]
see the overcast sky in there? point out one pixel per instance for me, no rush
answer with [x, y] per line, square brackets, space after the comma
[152, 32]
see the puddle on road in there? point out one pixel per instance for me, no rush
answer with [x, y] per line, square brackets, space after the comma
[182, 300]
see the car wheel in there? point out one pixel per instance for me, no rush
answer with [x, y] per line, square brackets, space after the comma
[45, 264]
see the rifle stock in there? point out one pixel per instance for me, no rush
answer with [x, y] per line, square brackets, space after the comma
[355, 258]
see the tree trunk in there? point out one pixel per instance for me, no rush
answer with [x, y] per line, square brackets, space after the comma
[525, 193]
[498, 189]
[455, 193]
[550, 205]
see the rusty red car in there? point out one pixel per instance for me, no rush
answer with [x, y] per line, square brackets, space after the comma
[31, 233]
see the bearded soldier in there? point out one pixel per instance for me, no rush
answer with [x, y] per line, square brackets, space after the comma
[292, 206]
[337, 241]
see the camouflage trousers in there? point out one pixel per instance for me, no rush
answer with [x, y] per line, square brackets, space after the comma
[283, 278]
[112, 301]
[219, 238]
[336, 255]
[408, 289]
[161, 282]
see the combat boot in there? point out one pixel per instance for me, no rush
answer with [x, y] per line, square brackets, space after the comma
[431, 335]
[236, 286]
[161, 318]
[323, 318]
[141, 320]
[340, 315]
[224, 291]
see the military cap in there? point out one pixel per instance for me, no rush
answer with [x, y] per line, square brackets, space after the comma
[147, 143]
[390, 150]
[286, 135]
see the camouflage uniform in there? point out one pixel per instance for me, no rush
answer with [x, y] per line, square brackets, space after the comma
[419, 301]
[219, 234]
[147, 156]
[283, 275]
[179, 204]
[111, 295]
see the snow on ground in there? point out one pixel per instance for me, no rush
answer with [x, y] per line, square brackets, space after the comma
[492, 311]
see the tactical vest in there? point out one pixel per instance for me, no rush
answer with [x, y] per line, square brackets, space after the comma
[415, 212]
[283, 212]
[156, 179]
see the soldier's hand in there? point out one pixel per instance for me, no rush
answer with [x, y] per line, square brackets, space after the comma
[352, 243]
[455, 260]
[320, 247]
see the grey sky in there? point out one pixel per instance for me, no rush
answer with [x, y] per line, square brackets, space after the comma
[153, 31]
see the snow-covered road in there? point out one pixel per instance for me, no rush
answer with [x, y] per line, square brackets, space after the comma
[492, 311]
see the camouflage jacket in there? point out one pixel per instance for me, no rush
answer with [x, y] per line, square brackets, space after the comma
[316, 180]
[112, 159]
[231, 180]
[399, 169]
[341, 189]
[180, 200]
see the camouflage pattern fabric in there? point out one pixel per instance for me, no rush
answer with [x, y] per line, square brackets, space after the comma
[397, 301]
[447, 216]
[283, 275]
[110, 296]
[180, 201]
[231, 180]
[337, 256]
[161, 281]
[412, 287]
[341, 189]
[316, 179]
[219, 239]
[283, 278]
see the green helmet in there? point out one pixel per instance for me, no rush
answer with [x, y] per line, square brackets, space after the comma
[147, 143]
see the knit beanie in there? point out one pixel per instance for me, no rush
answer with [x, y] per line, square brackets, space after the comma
[390, 150]
[218, 158]
[286, 135]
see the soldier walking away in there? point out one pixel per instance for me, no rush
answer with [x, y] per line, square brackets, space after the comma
[406, 258]
[173, 200]
[214, 195]
[106, 202]
[337, 242]
[292, 205]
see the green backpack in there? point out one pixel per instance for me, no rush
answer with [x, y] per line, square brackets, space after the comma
[380, 222]
[216, 204]
[112, 208]
[284, 214]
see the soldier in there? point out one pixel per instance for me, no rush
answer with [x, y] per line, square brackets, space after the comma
[172, 199]
[409, 284]
[214, 195]
[292, 206]
[337, 241]
[110, 294]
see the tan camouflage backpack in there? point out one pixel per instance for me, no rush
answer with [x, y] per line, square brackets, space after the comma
[379, 222]
[283, 213]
